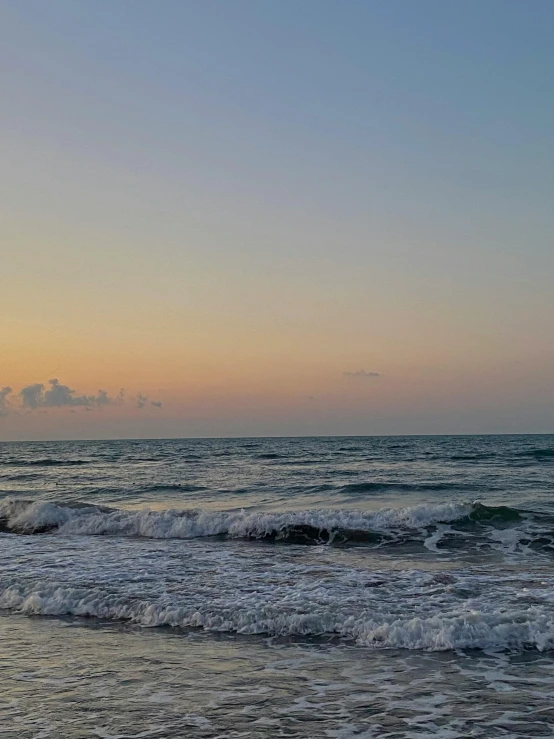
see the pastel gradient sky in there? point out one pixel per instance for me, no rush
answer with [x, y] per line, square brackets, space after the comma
[276, 217]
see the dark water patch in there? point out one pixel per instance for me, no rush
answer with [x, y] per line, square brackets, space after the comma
[234, 491]
[161, 487]
[472, 457]
[540, 454]
[7, 528]
[385, 487]
[505, 514]
[305, 534]
[270, 455]
[488, 516]
[20, 476]
[305, 462]
[159, 458]
[354, 456]
[310, 489]
[542, 543]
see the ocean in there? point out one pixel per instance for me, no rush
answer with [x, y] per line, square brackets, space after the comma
[284, 587]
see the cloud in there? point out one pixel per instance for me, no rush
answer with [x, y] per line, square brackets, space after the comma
[41, 397]
[61, 396]
[31, 395]
[143, 401]
[361, 373]
[4, 401]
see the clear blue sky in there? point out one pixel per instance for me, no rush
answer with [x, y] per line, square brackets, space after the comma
[230, 206]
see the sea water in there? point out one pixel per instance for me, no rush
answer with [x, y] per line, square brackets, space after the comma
[312, 587]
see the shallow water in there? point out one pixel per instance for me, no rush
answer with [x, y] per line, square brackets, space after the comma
[278, 587]
[106, 681]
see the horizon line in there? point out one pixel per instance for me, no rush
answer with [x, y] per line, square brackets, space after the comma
[281, 436]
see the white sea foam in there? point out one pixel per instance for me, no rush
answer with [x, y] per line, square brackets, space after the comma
[261, 590]
[466, 629]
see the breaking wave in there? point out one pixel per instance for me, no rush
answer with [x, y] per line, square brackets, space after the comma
[462, 628]
[431, 525]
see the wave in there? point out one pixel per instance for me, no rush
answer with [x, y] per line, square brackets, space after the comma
[483, 513]
[22, 516]
[462, 628]
[433, 526]
[311, 461]
[19, 476]
[538, 453]
[403, 487]
[472, 457]
[47, 462]
[183, 487]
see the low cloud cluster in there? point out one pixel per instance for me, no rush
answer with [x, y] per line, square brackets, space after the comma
[56, 395]
[362, 373]
[143, 401]
[59, 396]
[4, 400]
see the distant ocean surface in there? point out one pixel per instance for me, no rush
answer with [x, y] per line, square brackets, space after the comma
[311, 587]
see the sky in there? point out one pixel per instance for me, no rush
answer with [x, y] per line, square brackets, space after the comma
[276, 217]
